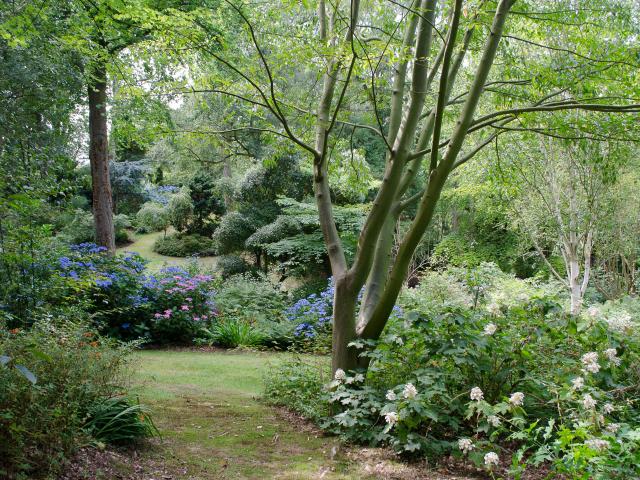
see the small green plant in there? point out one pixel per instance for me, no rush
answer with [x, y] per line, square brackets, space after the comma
[234, 333]
[299, 385]
[120, 421]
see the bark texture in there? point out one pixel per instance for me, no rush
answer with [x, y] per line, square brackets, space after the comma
[99, 159]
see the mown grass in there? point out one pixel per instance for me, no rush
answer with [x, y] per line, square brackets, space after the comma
[143, 244]
[214, 425]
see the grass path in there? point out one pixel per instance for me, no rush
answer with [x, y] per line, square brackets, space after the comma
[214, 427]
[143, 244]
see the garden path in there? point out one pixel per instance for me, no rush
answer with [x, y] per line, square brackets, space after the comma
[214, 426]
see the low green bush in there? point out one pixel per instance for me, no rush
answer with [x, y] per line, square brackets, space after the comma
[43, 417]
[184, 245]
[299, 385]
[249, 298]
[229, 265]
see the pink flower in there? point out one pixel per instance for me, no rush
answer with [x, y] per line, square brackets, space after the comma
[197, 319]
[158, 315]
[185, 308]
[189, 299]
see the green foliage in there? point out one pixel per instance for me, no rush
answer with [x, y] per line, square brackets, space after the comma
[299, 253]
[42, 422]
[207, 200]
[184, 245]
[232, 232]
[283, 226]
[180, 210]
[298, 385]
[464, 329]
[80, 228]
[119, 421]
[249, 298]
[153, 217]
[230, 265]
[232, 334]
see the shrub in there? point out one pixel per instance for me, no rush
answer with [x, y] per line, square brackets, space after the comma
[298, 384]
[501, 372]
[232, 232]
[153, 217]
[80, 228]
[165, 307]
[74, 370]
[182, 304]
[312, 319]
[229, 265]
[180, 210]
[207, 199]
[249, 298]
[184, 245]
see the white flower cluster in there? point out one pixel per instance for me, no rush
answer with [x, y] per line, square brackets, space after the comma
[597, 444]
[490, 329]
[391, 418]
[516, 399]
[465, 445]
[476, 394]
[577, 383]
[491, 459]
[612, 355]
[340, 375]
[391, 395]
[608, 408]
[590, 362]
[588, 402]
[494, 309]
[409, 391]
[620, 322]
[612, 427]
[494, 421]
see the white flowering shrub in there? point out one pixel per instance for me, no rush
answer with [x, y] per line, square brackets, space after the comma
[509, 388]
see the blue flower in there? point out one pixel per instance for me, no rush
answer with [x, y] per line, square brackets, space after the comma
[65, 262]
[305, 329]
[104, 282]
[125, 326]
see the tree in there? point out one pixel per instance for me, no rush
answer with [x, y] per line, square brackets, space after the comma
[98, 33]
[437, 58]
[558, 196]
[180, 210]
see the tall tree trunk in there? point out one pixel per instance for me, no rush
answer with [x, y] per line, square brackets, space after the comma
[99, 158]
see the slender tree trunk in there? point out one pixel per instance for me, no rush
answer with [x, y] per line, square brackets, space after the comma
[99, 159]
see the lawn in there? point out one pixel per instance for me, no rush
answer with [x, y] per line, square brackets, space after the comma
[143, 245]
